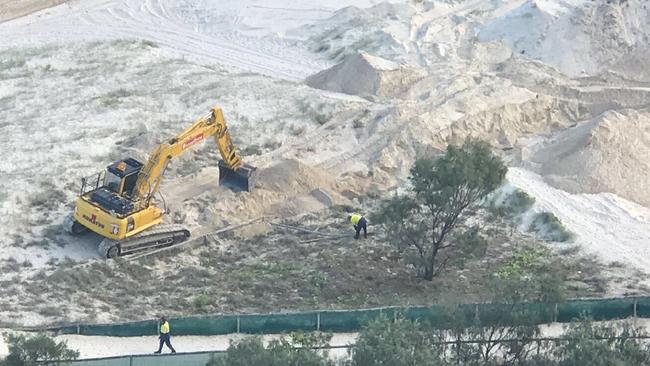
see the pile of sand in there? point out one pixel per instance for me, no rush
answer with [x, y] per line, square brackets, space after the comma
[610, 153]
[577, 37]
[282, 189]
[634, 67]
[290, 176]
[364, 75]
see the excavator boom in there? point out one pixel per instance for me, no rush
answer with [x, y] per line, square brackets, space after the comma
[233, 173]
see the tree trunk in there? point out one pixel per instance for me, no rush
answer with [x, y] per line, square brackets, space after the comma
[430, 262]
[428, 270]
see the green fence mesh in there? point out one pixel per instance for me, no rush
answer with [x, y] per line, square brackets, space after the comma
[508, 314]
[204, 325]
[346, 320]
[349, 321]
[598, 309]
[132, 329]
[643, 307]
[352, 320]
[278, 323]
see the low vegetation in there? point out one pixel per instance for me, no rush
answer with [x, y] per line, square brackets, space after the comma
[32, 350]
[279, 352]
[402, 342]
[510, 204]
[550, 228]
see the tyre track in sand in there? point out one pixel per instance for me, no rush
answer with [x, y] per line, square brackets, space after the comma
[151, 20]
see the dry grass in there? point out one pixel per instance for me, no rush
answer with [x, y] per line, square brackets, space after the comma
[284, 270]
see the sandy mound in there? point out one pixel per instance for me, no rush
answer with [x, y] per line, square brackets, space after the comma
[610, 153]
[575, 36]
[283, 189]
[635, 67]
[290, 176]
[363, 74]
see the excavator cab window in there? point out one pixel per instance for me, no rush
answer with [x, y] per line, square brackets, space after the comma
[112, 182]
[129, 184]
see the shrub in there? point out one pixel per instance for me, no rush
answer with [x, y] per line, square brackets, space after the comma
[202, 301]
[510, 204]
[399, 343]
[280, 352]
[24, 351]
[549, 227]
[602, 345]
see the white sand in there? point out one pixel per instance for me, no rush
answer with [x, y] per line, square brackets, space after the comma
[251, 59]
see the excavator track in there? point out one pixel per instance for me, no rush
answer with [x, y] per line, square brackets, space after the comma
[157, 237]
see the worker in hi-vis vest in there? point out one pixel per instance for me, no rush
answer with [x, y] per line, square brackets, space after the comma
[359, 222]
[164, 335]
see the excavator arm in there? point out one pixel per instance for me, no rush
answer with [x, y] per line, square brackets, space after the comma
[213, 124]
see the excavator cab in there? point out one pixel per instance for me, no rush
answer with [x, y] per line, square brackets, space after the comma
[121, 176]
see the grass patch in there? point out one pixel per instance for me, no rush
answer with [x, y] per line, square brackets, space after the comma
[114, 98]
[279, 271]
[510, 204]
[319, 112]
[550, 228]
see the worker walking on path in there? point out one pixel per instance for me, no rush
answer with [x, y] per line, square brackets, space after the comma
[164, 335]
[359, 222]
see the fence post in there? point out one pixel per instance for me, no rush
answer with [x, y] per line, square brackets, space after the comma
[78, 331]
[131, 360]
[237, 323]
[635, 301]
[318, 321]
[555, 314]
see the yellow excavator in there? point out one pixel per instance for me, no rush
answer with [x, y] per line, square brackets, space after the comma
[119, 203]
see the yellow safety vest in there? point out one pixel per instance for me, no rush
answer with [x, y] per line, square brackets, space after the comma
[164, 328]
[354, 218]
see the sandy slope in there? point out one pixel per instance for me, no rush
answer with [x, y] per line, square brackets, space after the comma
[10, 9]
[234, 33]
[612, 228]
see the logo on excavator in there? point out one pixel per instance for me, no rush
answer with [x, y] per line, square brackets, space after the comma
[93, 220]
[192, 140]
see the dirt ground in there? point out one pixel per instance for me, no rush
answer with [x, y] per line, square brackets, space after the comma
[278, 270]
[11, 9]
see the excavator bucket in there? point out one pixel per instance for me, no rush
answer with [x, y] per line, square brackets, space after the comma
[236, 180]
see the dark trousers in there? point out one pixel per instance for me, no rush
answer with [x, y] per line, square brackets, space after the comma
[165, 339]
[362, 224]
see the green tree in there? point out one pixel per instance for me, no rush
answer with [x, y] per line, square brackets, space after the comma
[441, 191]
[399, 343]
[27, 351]
[279, 352]
[602, 345]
